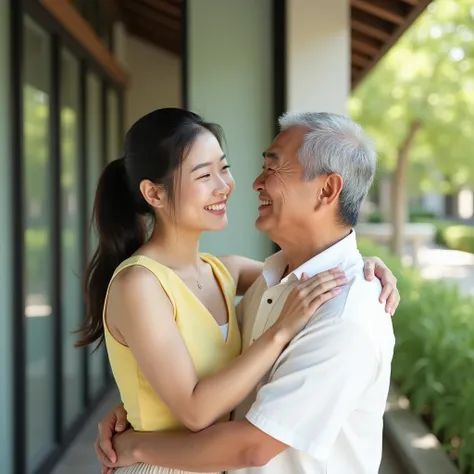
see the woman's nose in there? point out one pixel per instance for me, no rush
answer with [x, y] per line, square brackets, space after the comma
[222, 188]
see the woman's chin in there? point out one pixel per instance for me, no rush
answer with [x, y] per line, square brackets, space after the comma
[220, 225]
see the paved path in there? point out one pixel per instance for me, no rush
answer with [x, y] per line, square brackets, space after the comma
[449, 265]
[80, 458]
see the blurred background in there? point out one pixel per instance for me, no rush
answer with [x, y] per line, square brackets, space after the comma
[75, 74]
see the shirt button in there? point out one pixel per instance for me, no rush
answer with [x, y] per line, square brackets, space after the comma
[269, 301]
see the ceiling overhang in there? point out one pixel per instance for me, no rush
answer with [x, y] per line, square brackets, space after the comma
[375, 26]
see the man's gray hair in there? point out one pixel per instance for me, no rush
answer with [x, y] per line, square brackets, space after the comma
[336, 144]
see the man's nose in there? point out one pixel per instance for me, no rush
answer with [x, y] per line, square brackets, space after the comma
[259, 183]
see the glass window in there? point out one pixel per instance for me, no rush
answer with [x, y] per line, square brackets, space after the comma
[37, 245]
[7, 207]
[95, 136]
[71, 242]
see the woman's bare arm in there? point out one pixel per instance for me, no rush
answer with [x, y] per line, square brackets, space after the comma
[244, 270]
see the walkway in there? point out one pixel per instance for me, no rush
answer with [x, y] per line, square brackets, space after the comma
[451, 266]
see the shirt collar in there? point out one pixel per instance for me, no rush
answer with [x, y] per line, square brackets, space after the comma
[340, 254]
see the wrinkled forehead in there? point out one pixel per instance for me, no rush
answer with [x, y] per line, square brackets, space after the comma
[287, 144]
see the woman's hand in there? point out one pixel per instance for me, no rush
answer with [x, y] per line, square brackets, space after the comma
[307, 296]
[374, 267]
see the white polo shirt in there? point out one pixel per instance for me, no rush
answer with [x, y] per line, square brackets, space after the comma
[325, 396]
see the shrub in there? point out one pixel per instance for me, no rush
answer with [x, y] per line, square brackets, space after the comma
[434, 356]
[459, 237]
[452, 235]
[417, 214]
[375, 217]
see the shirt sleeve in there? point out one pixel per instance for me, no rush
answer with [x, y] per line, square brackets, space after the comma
[315, 385]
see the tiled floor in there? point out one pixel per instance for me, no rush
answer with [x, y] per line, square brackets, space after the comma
[80, 459]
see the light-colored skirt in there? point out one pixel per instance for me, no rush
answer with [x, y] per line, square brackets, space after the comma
[149, 469]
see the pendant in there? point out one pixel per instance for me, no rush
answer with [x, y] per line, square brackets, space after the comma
[199, 285]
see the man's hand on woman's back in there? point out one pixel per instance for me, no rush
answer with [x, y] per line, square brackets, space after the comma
[115, 422]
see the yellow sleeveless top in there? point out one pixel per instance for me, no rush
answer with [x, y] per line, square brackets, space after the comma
[200, 331]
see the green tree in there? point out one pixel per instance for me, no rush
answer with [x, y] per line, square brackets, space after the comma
[418, 105]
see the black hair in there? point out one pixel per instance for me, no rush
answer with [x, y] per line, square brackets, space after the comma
[155, 148]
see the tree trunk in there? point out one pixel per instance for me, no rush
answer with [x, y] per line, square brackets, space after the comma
[399, 191]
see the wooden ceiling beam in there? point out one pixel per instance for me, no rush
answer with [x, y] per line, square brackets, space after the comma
[355, 71]
[136, 25]
[147, 13]
[112, 9]
[384, 9]
[174, 11]
[369, 30]
[376, 43]
[371, 26]
[70, 18]
[364, 47]
[156, 36]
[358, 60]
[411, 16]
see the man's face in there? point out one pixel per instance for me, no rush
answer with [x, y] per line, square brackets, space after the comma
[286, 199]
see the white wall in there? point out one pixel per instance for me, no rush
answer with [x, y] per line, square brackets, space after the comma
[155, 79]
[318, 55]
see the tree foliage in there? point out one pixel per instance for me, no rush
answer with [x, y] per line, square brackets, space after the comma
[427, 77]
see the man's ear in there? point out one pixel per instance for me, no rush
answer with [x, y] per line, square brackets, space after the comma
[331, 189]
[153, 194]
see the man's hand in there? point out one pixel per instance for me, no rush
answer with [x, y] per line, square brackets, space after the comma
[374, 267]
[115, 422]
[123, 444]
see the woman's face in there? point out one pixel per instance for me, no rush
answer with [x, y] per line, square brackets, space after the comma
[203, 186]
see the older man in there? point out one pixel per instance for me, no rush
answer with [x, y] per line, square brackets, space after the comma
[320, 408]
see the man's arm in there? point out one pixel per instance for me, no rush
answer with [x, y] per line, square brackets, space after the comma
[315, 385]
[224, 446]
[313, 388]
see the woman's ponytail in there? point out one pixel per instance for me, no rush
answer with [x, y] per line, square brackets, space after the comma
[121, 231]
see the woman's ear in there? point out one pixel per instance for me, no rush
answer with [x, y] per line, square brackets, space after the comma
[153, 194]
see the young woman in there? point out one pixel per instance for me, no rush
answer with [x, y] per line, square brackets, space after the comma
[165, 310]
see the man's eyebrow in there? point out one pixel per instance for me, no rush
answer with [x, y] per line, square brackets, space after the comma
[271, 155]
[203, 165]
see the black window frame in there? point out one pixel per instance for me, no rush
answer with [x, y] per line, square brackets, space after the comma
[19, 9]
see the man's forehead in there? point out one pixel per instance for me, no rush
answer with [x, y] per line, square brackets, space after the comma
[289, 140]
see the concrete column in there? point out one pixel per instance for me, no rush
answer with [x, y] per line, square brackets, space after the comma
[318, 55]
[229, 81]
